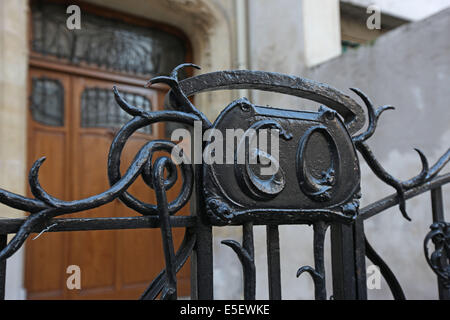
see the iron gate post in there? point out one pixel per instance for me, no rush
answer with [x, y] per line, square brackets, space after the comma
[202, 264]
[202, 281]
[273, 261]
[437, 207]
[343, 262]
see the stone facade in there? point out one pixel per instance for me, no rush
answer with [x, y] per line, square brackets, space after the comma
[13, 125]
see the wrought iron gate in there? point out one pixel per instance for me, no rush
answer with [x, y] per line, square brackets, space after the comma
[306, 189]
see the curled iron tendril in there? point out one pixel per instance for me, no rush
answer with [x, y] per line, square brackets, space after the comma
[45, 206]
[176, 96]
[246, 254]
[181, 256]
[158, 183]
[425, 175]
[315, 275]
[248, 267]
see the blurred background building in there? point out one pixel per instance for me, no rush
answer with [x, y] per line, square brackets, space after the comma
[55, 100]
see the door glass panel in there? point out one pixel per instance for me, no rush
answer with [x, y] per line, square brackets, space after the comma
[105, 43]
[100, 110]
[47, 101]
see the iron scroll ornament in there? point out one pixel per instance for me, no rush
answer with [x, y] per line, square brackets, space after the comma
[439, 259]
[43, 207]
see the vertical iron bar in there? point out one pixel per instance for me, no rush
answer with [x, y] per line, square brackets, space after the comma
[245, 253]
[202, 255]
[249, 275]
[273, 262]
[247, 239]
[319, 263]
[343, 262]
[386, 272]
[170, 289]
[360, 260]
[202, 264]
[3, 241]
[437, 205]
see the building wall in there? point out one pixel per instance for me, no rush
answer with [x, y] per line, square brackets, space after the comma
[411, 9]
[13, 99]
[408, 68]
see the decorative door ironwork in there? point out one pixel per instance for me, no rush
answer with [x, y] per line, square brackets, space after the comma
[105, 43]
[97, 109]
[47, 101]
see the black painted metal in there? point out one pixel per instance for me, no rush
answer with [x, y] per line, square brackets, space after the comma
[202, 286]
[246, 254]
[276, 82]
[310, 144]
[437, 205]
[202, 277]
[318, 272]
[439, 260]
[343, 262]
[170, 289]
[273, 261]
[318, 183]
[360, 259]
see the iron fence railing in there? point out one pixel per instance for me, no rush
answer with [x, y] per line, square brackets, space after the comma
[305, 190]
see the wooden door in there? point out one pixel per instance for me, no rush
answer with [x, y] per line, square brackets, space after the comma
[72, 121]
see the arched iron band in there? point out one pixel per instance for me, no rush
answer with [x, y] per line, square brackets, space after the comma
[349, 109]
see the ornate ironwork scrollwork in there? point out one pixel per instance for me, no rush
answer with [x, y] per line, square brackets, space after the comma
[439, 260]
[326, 188]
[44, 206]
[264, 199]
[425, 175]
[251, 183]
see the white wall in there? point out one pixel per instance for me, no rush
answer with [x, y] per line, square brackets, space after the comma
[321, 31]
[13, 103]
[411, 9]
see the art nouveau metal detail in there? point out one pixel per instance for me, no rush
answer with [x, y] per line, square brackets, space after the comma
[311, 147]
[439, 259]
[318, 183]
